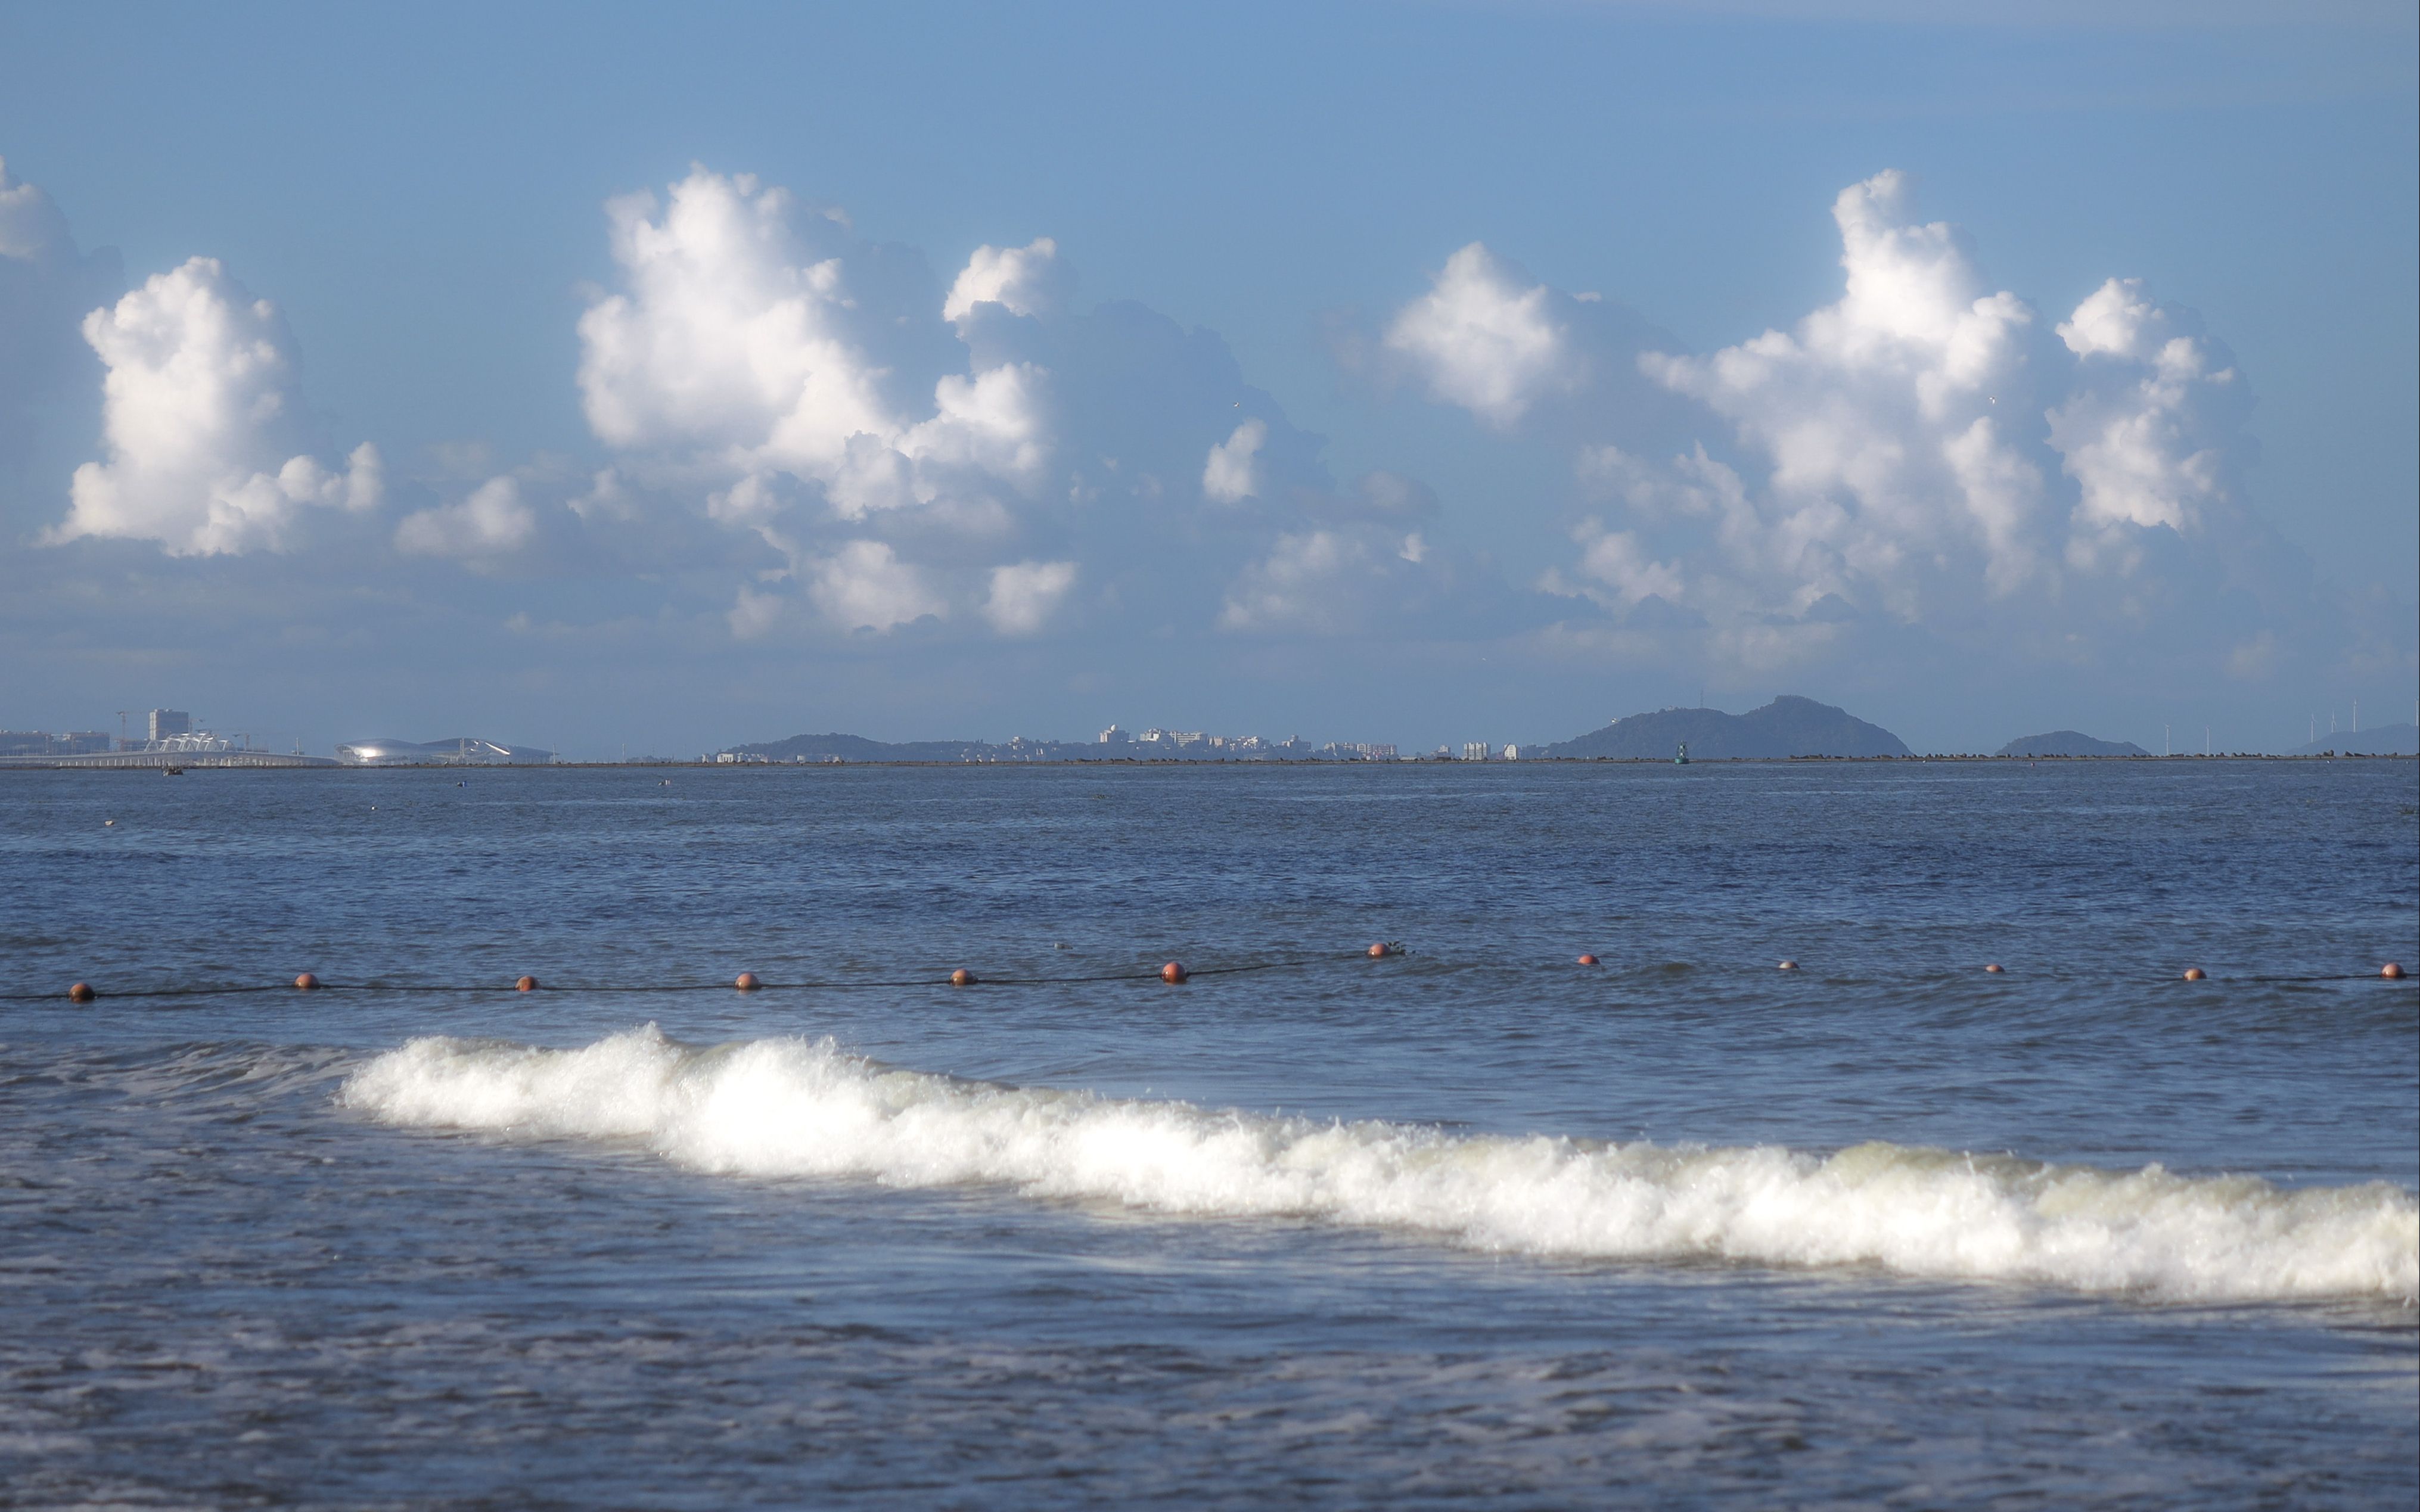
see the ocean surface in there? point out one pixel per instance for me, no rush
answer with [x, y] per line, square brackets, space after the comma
[1467, 1222]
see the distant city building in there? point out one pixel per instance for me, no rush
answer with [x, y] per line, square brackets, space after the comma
[1475, 751]
[99, 742]
[38, 743]
[1114, 742]
[460, 751]
[167, 723]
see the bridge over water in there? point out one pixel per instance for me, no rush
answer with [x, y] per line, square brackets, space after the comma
[159, 760]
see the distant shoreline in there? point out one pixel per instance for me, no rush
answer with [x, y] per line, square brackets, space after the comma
[220, 762]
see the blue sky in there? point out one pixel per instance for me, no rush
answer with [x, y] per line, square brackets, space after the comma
[1391, 372]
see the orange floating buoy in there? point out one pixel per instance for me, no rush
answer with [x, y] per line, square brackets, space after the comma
[748, 982]
[1995, 968]
[80, 994]
[1588, 960]
[2391, 971]
[525, 984]
[1790, 966]
[1381, 948]
[962, 977]
[305, 982]
[1171, 973]
[2194, 974]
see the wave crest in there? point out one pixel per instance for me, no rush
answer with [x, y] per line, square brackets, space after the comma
[799, 1108]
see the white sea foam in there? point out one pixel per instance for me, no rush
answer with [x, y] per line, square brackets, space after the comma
[790, 1106]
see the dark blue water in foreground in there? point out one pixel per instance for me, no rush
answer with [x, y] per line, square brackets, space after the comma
[283, 1249]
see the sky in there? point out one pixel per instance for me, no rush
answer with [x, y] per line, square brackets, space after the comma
[647, 379]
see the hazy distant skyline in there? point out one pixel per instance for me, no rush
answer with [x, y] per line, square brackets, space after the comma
[583, 376]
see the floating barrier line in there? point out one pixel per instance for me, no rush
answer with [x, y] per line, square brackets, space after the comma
[2356, 976]
[756, 984]
[157, 992]
[760, 986]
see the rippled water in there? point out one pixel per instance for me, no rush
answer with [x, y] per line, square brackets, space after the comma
[1472, 1220]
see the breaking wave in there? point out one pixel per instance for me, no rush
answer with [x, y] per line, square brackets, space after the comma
[797, 1107]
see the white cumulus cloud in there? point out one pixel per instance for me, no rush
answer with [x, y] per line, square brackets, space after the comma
[754, 614]
[864, 586]
[31, 227]
[2145, 434]
[1303, 584]
[1921, 456]
[763, 356]
[1482, 340]
[197, 405]
[996, 423]
[1025, 595]
[1895, 419]
[729, 334]
[1233, 473]
[1353, 578]
[492, 523]
[1022, 280]
[1617, 562]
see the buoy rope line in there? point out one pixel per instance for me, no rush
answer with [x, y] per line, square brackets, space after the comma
[2355, 976]
[754, 984]
[750, 982]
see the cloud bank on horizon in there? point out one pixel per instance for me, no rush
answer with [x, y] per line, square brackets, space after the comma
[806, 438]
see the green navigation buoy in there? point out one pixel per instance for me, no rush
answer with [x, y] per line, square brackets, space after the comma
[1681, 757]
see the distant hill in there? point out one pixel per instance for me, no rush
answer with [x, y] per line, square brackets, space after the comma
[2384, 740]
[1788, 726]
[2070, 743]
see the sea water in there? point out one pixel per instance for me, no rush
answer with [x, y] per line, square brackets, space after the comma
[1313, 1228]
